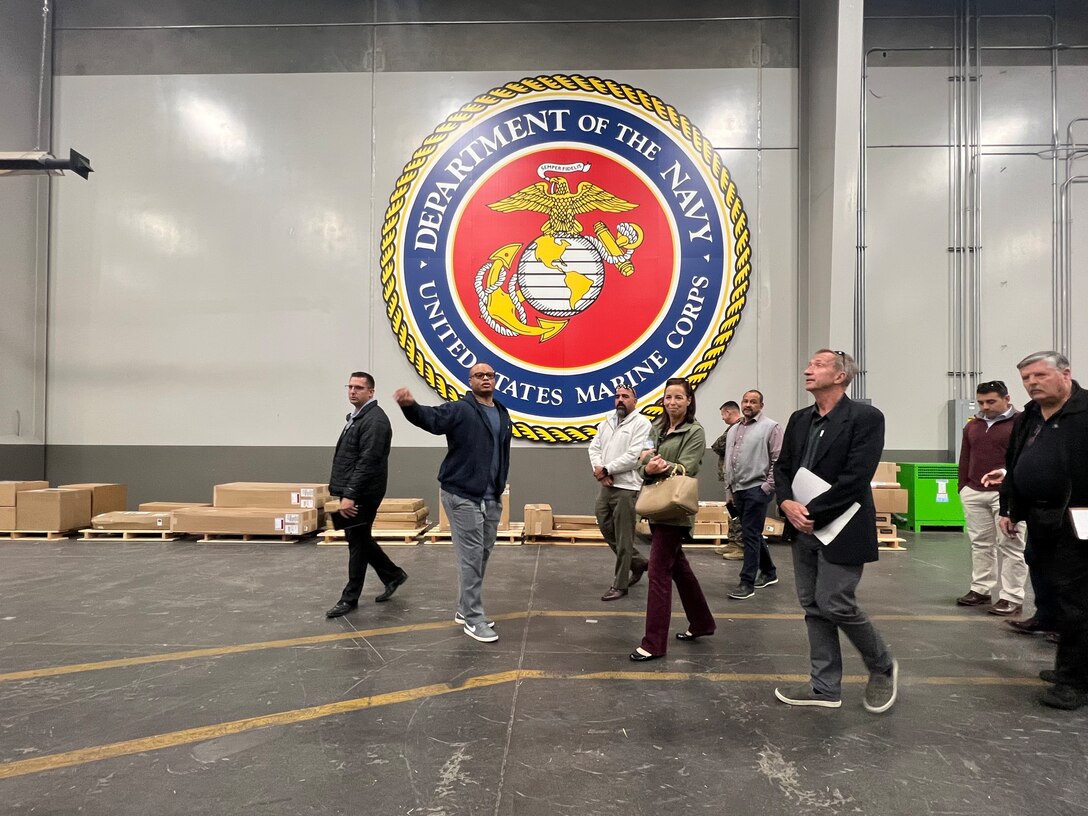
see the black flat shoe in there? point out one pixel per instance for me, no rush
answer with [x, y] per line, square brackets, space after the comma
[638, 657]
[690, 636]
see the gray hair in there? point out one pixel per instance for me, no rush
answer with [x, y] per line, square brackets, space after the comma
[844, 363]
[1055, 359]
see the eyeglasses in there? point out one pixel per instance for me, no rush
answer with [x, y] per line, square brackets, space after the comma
[992, 387]
[483, 375]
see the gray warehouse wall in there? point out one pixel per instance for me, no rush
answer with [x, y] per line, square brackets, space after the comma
[25, 82]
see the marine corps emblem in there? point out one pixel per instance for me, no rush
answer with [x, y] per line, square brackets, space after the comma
[576, 233]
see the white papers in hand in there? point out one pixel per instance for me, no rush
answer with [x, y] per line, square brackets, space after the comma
[806, 487]
[1079, 516]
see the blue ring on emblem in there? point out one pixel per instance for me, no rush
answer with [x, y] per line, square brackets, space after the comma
[692, 263]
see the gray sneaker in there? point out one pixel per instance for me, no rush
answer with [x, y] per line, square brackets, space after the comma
[481, 632]
[881, 690]
[459, 618]
[805, 695]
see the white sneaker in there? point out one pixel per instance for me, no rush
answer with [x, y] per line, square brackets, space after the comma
[481, 632]
[459, 618]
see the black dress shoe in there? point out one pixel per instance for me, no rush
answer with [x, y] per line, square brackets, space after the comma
[637, 571]
[638, 657]
[690, 636]
[391, 587]
[1030, 626]
[341, 608]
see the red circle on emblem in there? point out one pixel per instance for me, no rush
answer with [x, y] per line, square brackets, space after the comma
[530, 266]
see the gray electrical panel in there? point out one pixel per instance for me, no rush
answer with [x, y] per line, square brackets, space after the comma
[959, 411]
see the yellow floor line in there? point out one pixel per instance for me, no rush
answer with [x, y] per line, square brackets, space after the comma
[188, 736]
[311, 640]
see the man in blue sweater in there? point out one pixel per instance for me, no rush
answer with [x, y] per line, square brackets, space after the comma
[473, 475]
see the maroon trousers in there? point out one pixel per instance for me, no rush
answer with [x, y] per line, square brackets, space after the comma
[667, 564]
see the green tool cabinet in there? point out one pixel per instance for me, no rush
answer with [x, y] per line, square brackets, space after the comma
[934, 497]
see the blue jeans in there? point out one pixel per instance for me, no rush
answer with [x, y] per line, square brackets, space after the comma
[751, 505]
[473, 525]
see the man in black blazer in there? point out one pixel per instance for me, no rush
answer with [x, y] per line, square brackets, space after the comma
[360, 472]
[840, 441]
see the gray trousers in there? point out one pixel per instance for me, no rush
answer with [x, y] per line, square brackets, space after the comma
[826, 592]
[473, 526]
[616, 519]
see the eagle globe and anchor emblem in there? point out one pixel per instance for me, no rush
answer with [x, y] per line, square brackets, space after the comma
[561, 273]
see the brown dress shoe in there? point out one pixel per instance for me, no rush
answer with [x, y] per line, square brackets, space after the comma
[1005, 608]
[613, 594]
[973, 598]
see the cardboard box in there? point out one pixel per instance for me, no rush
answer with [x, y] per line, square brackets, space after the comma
[290, 521]
[890, 500]
[539, 519]
[9, 489]
[710, 529]
[166, 507]
[408, 518]
[774, 528]
[271, 495]
[131, 520]
[53, 510]
[574, 522]
[885, 475]
[712, 511]
[7, 519]
[393, 524]
[401, 505]
[886, 532]
[105, 497]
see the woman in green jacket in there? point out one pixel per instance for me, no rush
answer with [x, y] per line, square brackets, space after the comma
[681, 441]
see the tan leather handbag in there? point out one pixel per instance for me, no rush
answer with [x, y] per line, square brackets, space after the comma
[673, 498]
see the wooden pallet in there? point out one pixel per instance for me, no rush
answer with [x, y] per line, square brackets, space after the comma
[515, 534]
[36, 535]
[335, 538]
[247, 538]
[127, 535]
[570, 538]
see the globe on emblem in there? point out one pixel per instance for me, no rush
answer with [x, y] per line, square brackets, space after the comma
[561, 275]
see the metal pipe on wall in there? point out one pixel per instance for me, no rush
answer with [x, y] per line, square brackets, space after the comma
[965, 186]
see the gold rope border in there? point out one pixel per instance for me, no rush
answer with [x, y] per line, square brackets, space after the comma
[742, 268]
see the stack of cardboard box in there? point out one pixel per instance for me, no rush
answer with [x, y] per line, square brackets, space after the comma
[8, 493]
[712, 520]
[255, 508]
[889, 498]
[402, 515]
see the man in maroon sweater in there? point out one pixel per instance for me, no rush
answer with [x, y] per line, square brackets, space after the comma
[997, 560]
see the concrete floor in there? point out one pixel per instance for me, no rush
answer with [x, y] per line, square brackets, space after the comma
[185, 678]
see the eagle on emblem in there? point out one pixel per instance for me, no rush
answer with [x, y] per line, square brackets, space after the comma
[561, 205]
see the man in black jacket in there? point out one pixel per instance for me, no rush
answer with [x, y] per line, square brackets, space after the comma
[478, 430]
[840, 441]
[360, 472]
[1046, 476]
